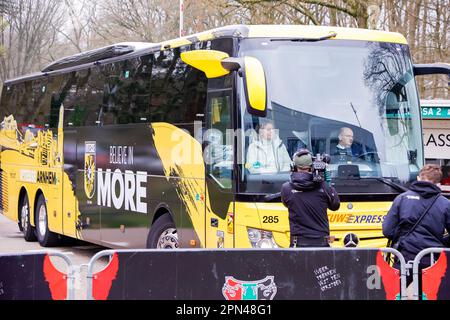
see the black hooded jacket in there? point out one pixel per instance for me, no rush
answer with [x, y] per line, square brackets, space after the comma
[407, 209]
[307, 202]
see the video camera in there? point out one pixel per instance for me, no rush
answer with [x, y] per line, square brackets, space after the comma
[319, 168]
[318, 165]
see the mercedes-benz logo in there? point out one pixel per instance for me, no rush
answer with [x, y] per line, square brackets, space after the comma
[351, 240]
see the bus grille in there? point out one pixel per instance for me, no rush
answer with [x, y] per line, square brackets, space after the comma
[3, 192]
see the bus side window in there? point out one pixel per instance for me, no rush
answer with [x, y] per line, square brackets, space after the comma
[94, 97]
[178, 91]
[64, 94]
[140, 98]
[6, 105]
[20, 104]
[108, 113]
[218, 150]
[39, 117]
[73, 93]
[18, 92]
[81, 94]
[158, 99]
[123, 88]
[54, 100]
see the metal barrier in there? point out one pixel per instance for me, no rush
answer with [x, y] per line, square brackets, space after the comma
[433, 283]
[32, 276]
[247, 274]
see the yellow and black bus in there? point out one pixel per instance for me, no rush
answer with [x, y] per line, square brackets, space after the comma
[184, 143]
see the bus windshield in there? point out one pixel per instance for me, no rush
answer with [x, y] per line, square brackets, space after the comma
[354, 100]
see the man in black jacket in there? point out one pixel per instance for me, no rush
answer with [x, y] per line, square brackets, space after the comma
[307, 202]
[409, 207]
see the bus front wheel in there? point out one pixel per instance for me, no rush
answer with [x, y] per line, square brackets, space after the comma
[25, 226]
[163, 234]
[45, 237]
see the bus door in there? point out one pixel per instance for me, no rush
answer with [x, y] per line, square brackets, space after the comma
[218, 155]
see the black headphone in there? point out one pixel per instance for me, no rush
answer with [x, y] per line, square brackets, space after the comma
[299, 153]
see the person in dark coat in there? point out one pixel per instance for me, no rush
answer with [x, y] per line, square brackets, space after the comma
[407, 209]
[308, 202]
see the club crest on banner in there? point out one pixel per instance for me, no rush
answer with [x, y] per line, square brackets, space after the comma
[89, 168]
[264, 289]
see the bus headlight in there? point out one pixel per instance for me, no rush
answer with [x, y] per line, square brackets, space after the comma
[261, 238]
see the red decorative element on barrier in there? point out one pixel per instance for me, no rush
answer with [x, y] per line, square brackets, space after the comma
[390, 278]
[232, 290]
[432, 277]
[57, 281]
[102, 281]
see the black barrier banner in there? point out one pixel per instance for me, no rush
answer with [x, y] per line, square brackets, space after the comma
[31, 277]
[436, 279]
[247, 275]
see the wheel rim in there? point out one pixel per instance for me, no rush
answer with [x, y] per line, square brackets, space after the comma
[42, 220]
[24, 217]
[168, 239]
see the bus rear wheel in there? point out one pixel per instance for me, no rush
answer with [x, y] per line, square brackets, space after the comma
[163, 234]
[45, 237]
[29, 232]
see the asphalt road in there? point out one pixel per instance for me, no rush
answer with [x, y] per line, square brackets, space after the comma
[11, 241]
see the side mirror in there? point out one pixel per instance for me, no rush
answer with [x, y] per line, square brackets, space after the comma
[217, 64]
[208, 61]
[255, 87]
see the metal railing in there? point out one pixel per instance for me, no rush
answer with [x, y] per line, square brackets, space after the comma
[109, 253]
[415, 268]
[70, 276]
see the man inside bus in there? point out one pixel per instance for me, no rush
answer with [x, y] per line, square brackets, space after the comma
[345, 149]
[267, 152]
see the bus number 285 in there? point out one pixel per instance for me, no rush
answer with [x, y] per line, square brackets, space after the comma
[270, 219]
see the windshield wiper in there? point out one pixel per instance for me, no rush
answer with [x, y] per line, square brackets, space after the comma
[390, 183]
[328, 36]
[272, 197]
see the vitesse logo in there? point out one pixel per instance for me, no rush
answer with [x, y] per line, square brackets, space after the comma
[264, 289]
[89, 168]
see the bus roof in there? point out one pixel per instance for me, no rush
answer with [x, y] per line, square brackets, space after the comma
[238, 31]
[103, 53]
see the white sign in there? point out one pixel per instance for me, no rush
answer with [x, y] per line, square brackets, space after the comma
[28, 176]
[437, 143]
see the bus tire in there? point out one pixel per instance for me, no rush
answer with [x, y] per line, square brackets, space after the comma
[45, 237]
[29, 232]
[163, 233]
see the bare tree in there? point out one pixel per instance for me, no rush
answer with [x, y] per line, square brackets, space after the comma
[138, 20]
[29, 35]
[317, 10]
[35, 31]
[80, 23]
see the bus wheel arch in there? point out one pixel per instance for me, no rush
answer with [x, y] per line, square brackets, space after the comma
[25, 216]
[22, 194]
[38, 194]
[45, 237]
[163, 232]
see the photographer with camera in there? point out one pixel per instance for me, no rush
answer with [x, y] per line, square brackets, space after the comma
[308, 197]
